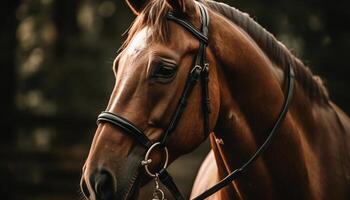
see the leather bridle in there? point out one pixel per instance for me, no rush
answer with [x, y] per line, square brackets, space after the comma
[199, 71]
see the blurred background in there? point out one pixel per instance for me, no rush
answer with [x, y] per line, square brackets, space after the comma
[56, 76]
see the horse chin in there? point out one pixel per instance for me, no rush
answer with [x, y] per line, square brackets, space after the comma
[134, 191]
[140, 181]
[145, 179]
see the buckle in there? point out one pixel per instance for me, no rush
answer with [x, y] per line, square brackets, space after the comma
[197, 68]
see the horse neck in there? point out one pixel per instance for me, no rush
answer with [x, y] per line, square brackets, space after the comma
[251, 97]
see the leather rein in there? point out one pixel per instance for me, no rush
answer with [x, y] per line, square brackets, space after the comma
[200, 71]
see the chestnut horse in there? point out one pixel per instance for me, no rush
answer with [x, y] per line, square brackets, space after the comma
[308, 159]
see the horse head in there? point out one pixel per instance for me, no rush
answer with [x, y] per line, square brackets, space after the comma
[151, 76]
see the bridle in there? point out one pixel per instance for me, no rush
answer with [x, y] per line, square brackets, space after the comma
[199, 71]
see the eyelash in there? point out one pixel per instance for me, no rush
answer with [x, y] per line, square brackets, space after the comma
[164, 71]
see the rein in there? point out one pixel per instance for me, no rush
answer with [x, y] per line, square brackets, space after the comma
[199, 71]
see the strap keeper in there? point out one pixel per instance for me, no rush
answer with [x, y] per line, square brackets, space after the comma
[207, 104]
[206, 68]
[195, 74]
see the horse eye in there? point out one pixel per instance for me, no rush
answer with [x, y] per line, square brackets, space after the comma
[163, 71]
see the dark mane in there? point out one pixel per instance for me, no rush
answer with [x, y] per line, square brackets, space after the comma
[275, 50]
[154, 13]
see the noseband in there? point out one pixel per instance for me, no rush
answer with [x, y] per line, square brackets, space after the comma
[199, 71]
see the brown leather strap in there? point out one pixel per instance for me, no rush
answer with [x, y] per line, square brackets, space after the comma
[223, 166]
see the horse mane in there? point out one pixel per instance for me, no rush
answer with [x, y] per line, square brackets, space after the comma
[275, 50]
[154, 13]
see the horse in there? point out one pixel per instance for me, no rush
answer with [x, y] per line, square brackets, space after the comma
[158, 109]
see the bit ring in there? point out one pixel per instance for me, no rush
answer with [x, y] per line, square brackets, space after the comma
[146, 161]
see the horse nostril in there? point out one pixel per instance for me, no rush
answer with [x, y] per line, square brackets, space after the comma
[105, 186]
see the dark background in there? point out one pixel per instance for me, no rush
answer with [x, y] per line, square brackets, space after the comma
[55, 77]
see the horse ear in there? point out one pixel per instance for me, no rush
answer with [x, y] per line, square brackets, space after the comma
[182, 6]
[137, 5]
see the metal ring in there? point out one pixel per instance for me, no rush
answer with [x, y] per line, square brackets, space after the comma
[147, 161]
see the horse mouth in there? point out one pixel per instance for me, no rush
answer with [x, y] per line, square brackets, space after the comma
[133, 191]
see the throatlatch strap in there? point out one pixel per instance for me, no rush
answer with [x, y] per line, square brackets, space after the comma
[205, 72]
[205, 99]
